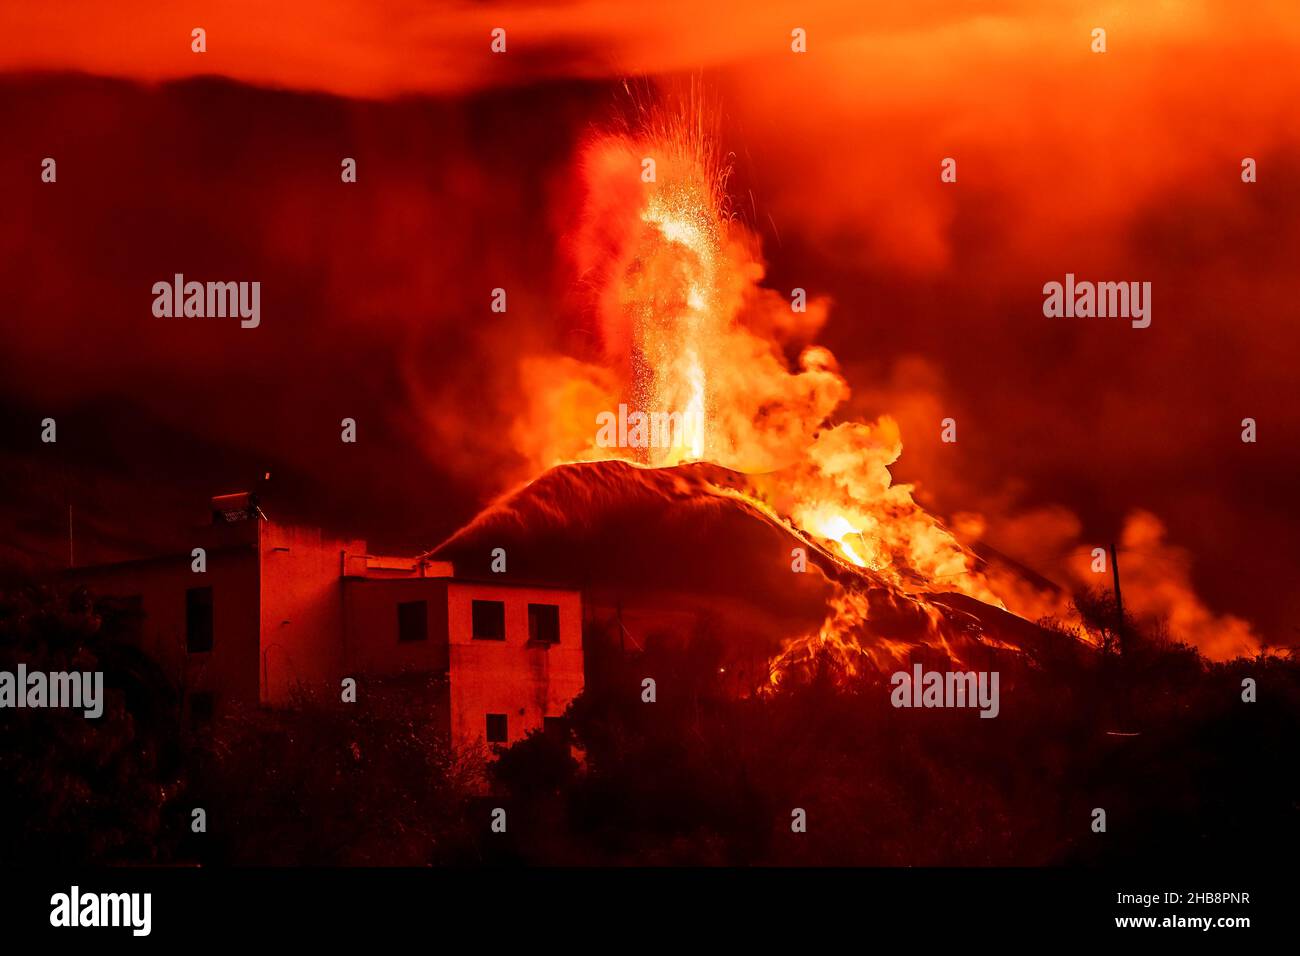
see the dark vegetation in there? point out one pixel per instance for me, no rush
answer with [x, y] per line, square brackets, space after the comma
[1160, 739]
[701, 777]
[73, 789]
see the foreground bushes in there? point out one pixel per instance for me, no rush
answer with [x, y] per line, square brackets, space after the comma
[706, 774]
[1162, 741]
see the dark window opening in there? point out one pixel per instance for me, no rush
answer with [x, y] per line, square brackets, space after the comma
[489, 620]
[123, 616]
[413, 621]
[544, 623]
[496, 728]
[556, 728]
[198, 620]
[201, 708]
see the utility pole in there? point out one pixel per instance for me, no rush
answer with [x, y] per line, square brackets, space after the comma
[1119, 601]
[622, 649]
[67, 499]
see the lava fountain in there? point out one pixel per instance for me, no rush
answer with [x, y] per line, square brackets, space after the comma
[685, 328]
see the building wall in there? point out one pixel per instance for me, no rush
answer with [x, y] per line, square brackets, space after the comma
[371, 639]
[301, 611]
[512, 677]
[287, 619]
[229, 671]
[394, 674]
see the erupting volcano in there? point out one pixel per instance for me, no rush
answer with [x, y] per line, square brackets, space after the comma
[788, 503]
[729, 436]
[761, 486]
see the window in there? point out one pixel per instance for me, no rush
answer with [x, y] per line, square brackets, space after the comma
[413, 621]
[489, 620]
[201, 708]
[496, 728]
[198, 620]
[123, 616]
[544, 623]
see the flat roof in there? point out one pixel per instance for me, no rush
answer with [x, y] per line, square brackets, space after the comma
[497, 582]
[516, 583]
